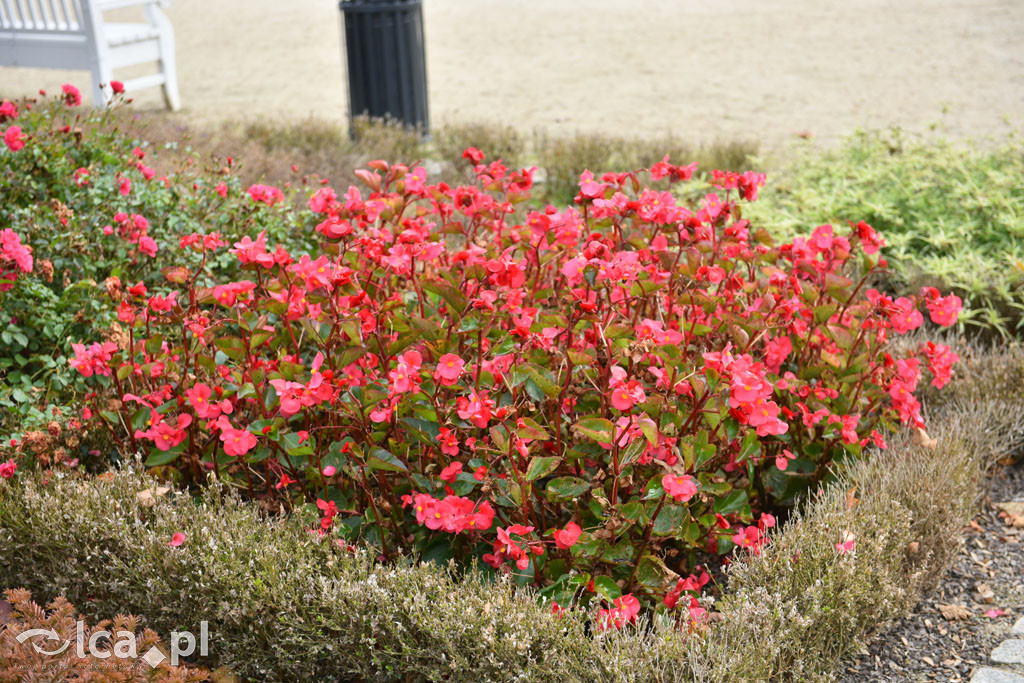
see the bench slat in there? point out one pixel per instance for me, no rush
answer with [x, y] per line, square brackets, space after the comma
[33, 16]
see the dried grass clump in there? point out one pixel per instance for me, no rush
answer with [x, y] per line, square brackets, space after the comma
[266, 151]
[495, 140]
[563, 158]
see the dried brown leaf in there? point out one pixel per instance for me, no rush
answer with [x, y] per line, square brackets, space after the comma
[955, 612]
[921, 438]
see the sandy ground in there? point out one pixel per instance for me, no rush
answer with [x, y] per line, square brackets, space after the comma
[704, 70]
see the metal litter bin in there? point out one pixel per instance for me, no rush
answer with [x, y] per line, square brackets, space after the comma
[387, 70]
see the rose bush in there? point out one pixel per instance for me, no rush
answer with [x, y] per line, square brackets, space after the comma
[98, 207]
[587, 397]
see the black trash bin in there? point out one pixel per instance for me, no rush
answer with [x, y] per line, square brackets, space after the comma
[387, 70]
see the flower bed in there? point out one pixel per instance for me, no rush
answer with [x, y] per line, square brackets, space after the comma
[285, 604]
[589, 399]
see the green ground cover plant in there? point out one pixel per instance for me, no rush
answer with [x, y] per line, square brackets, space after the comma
[952, 214]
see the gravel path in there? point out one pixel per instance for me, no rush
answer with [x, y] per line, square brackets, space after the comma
[988, 574]
[702, 70]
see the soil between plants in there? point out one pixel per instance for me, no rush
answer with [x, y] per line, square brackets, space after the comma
[987, 574]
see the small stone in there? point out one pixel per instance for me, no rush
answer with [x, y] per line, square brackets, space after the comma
[1009, 652]
[987, 674]
[1018, 628]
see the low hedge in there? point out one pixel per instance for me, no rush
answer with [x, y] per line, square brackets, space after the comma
[284, 605]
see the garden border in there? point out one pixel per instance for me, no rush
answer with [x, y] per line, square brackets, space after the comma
[283, 604]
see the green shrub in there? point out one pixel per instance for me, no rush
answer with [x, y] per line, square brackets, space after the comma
[952, 215]
[83, 194]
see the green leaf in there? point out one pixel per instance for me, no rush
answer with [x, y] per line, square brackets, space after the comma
[424, 430]
[451, 295]
[732, 502]
[633, 511]
[470, 323]
[616, 330]
[650, 431]
[154, 344]
[670, 520]
[232, 347]
[691, 531]
[620, 553]
[544, 380]
[704, 450]
[580, 358]
[296, 449]
[517, 375]
[606, 587]
[381, 459]
[651, 572]
[258, 338]
[541, 467]
[823, 313]
[596, 428]
[531, 430]
[246, 390]
[654, 490]
[535, 392]
[438, 552]
[632, 452]
[158, 457]
[565, 588]
[499, 436]
[564, 489]
[351, 355]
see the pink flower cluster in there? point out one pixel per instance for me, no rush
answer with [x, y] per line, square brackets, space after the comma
[94, 360]
[508, 549]
[454, 514]
[266, 194]
[133, 228]
[750, 393]
[13, 252]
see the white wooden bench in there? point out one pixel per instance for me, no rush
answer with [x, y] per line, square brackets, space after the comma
[71, 34]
